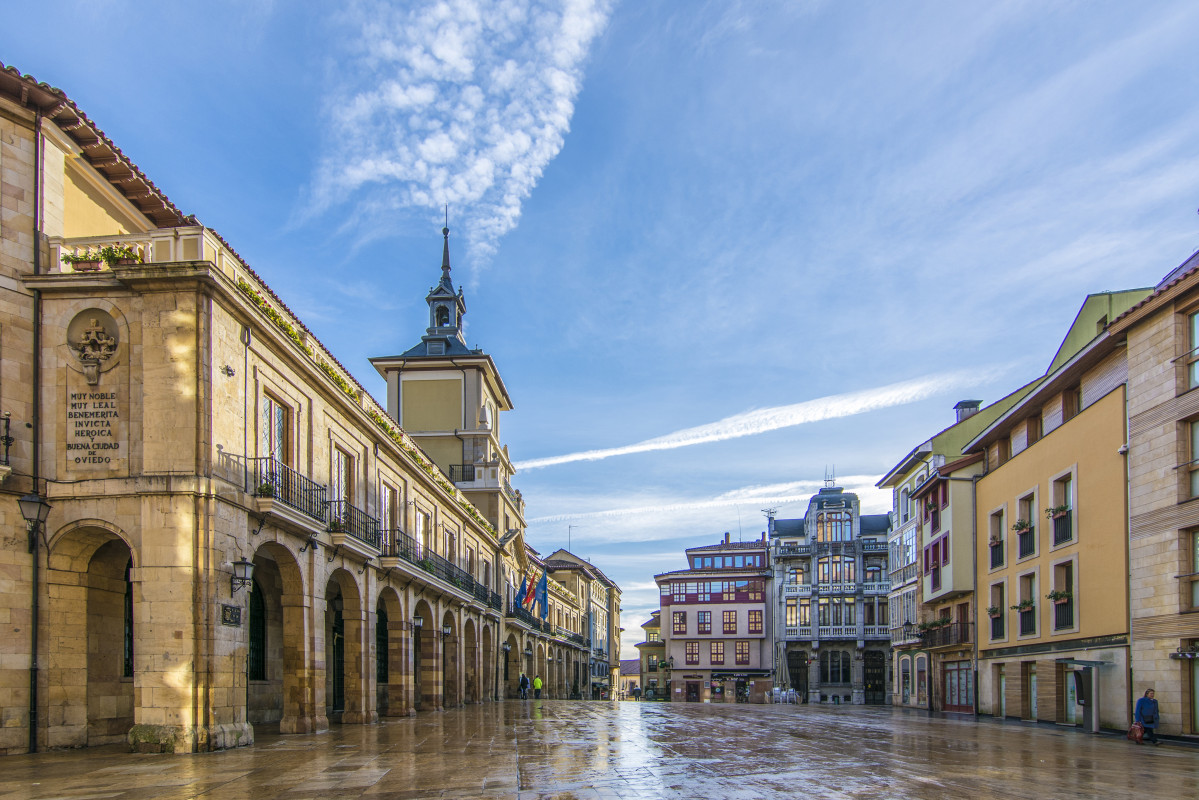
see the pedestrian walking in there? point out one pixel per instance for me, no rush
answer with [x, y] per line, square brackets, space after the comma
[1146, 714]
[537, 687]
[636, 692]
[524, 686]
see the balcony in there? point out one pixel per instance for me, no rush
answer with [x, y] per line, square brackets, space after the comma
[1027, 541]
[901, 575]
[838, 631]
[394, 543]
[462, 473]
[1028, 622]
[352, 528]
[997, 627]
[996, 554]
[955, 633]
[272, 481]
[1063, 615]
[1063, 527]
[838, 588]
[797, 589]
[876, 632]
[524, 615]
[651, 666]
[870, 546]
[899, 636]
[876, 587]
[794, 550]
[496, 601]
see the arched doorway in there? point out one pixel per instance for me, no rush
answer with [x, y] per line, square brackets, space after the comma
[470, 654]
[511, 667]
[391, 664]
[94, 601]
[276, 659]
[345, 680]
[488, 679]
[450, 662]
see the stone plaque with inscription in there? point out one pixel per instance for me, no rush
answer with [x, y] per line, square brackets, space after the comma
[94, 430]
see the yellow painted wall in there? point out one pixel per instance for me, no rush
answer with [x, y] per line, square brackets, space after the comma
[1089, 440]
[431, 406]
[444, 452]
[88, 212]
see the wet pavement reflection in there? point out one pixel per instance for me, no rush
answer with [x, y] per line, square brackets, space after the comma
[564, 749]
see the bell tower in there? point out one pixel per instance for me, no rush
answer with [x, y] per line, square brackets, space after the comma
[446, 309]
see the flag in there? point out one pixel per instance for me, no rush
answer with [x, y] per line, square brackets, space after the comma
[529, 593]
[543, 591]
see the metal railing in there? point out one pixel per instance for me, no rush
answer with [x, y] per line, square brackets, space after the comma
[394, 543]
[268, 477]
[952, 634]
[997, 627]
[496, 601]
[996, 554]
[1063, 530]
[1028, 621]
[524, 615]
[1063, 615]
[462, 473]
[1028, 542]
[347, 518]
[481, 592]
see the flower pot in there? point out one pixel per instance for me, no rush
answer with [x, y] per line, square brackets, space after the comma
[1060, 514]
[1061, 601]
[995, 614]
[124, 262]
[87, 266]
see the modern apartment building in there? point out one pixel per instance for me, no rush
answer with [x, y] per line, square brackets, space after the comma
[833, 629]
[1161, 335]
[1052, 545]
[717, 624]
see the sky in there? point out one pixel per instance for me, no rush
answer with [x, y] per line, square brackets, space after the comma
[718, 250]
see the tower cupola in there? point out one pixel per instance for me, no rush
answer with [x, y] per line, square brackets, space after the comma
[446, 309]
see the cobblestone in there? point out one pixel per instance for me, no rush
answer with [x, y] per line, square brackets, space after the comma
[558, 749]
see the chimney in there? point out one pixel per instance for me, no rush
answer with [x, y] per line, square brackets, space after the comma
[967, 408]
[726, 537]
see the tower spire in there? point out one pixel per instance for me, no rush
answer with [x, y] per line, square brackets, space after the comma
[445, 253]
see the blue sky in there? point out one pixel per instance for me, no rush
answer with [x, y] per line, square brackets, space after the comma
[716, 247]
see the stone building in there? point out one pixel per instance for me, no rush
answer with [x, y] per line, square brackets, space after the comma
[1161, 335]
[833, 632]
[651, 651]
[599, 605]
[238, 535]
[718, 638]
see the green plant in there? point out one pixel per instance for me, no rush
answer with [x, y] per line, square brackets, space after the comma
[1059, 594]
[86, 256]
[119, 252]
[274, 316]
[1024, 605]
[265, 490]
[1055, 511]
[1021, 525]
[993, 611]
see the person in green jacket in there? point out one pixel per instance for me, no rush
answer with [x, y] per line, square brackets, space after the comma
[537, 687]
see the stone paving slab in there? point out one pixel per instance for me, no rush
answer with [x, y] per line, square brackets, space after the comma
[564, 750]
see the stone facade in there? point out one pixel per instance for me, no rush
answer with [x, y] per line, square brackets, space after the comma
[181, 423]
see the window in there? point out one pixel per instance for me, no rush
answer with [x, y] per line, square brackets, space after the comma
[1193, 569]
[1061, 512]
[680, 623]
[791, 615]
[755, 621]
[692, 652]
[904, 506]
[717, 651]
[835, 667]
[342, 487]
[653, 637]
[996, 539]
[1071, 402]
[997, 610]
[730, 623]
[704, 619]
[451, 547]
[1026, 538]
[1063, 601]
[833, 526]
[424, 531]
[388, 507]
[755, 590]
[1192, 356]
[273, 429]
[822, 612]
[1033, 429]
[805, 612]
[256, 646]
[836, 569]
[742, 652]
[1028, 605]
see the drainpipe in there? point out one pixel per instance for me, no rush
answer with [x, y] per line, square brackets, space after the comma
[36, 419]
[974, 577]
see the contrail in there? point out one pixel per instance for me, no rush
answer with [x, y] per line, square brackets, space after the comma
[789, 492]
[751, 423]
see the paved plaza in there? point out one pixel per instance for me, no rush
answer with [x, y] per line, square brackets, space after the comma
[560, 749]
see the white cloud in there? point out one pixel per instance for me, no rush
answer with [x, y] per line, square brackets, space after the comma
[752, 423]
[459, 102]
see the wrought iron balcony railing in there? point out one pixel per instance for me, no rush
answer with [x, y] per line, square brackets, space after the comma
[1063, 529]
[997, 627]
[346, 518]
[394, 543]
[496, 601]
[268, 477]
[462, 473]
[996, 554]
[1028, 542]
[1063, 615]
[1028, 621]
[954, 633]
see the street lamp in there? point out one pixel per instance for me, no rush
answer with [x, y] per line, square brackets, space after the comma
[243, 575]
[34, 509]
[506, 647]
[446, 630]
[417, 620]
[909, 630]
